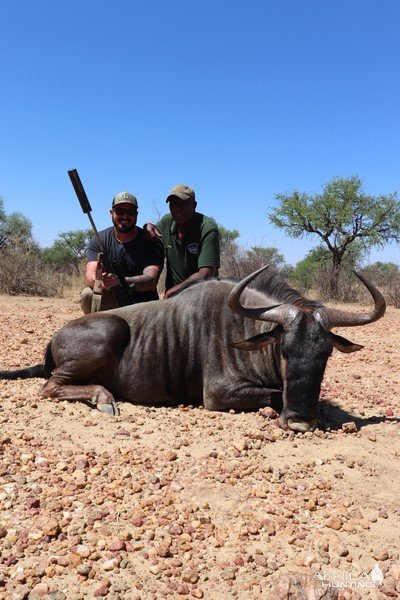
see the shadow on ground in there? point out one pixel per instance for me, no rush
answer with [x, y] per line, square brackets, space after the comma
[332, 416]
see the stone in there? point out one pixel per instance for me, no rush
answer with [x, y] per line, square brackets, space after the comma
[335, 523]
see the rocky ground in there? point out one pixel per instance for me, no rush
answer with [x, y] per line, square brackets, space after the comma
[184, 503]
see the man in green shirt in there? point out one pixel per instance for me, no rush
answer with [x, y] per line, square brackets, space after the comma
[191, 240]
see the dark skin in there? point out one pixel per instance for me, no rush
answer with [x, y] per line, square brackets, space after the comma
[182, 212]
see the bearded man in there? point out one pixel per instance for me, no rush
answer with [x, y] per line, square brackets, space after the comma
[139, 261]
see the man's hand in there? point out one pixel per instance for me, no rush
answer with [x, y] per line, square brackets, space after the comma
[172, 291]
[151, 233]
[202, 273]
[109, 280]
[94, 271]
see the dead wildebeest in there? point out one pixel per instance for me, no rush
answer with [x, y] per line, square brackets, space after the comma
[193, 348]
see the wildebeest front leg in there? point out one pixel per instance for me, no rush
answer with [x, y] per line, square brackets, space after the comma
[241, 397]
[82, 350]
[96, 395]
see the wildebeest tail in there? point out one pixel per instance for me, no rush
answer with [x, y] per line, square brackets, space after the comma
[42, 370]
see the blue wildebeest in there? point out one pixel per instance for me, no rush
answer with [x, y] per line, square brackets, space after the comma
[194, 347]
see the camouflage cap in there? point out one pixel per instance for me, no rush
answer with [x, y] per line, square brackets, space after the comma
[184, 192]
[124, 198]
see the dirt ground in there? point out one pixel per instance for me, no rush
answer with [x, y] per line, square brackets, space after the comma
[185, 503]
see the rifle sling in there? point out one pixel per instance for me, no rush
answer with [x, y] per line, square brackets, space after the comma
[97, 286]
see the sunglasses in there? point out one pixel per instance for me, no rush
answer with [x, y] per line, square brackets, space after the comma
[130, 212]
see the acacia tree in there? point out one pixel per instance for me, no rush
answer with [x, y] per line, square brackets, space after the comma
[314, 271]
[19, 232]
[68, 251]
[260, 256]
[16, 231]
[341, 216]
[227, 238]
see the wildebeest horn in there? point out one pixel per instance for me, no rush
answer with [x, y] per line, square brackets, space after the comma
[340, 318]
[284, 314]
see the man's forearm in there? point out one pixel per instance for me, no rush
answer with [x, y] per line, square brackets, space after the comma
[143, 283]
[201, 274]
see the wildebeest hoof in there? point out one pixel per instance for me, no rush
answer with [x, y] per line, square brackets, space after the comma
[109, 408]
[289, 421]
[301, 426]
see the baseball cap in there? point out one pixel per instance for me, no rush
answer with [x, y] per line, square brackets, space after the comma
[124, 198]
[184, 192]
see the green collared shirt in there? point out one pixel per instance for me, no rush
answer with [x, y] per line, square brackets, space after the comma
[199, 248]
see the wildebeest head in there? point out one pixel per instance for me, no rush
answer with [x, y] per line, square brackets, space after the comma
[305, 344]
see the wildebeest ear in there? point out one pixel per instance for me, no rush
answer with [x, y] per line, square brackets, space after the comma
[340, 343]
[259, 341]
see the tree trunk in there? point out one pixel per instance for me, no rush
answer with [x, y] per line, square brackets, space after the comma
[334, 287]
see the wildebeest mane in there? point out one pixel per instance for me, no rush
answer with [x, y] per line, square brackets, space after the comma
[271, 283]
[274, 285]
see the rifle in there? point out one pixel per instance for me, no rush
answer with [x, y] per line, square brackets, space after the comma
[122, 293]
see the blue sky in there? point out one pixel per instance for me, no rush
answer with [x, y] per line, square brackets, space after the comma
[240, 99]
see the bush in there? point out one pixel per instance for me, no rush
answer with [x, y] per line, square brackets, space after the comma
[386, 276]
[25, 274]
[239, 262]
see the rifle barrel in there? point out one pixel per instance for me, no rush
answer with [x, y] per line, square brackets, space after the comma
[84, 202]
[80, 191]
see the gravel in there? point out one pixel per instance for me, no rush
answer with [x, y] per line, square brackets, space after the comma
[180, 502]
